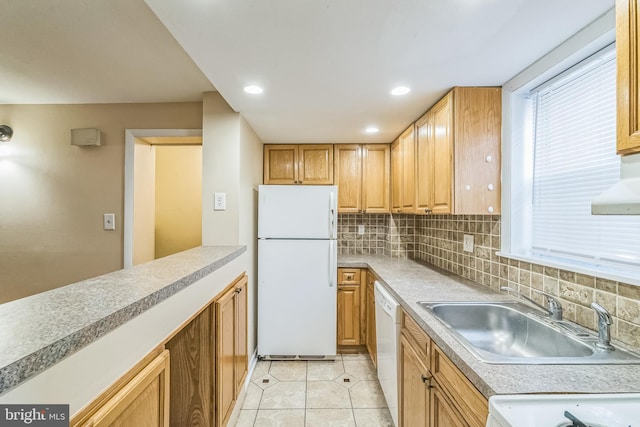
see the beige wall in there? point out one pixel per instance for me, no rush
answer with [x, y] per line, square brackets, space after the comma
[144, 203]
[232, 163]
[53, 195]
[178, 210]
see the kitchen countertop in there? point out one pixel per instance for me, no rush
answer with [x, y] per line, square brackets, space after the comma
[40, 330]
[410, 281]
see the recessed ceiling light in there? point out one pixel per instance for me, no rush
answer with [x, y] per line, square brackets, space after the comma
[253, 89]
[372, 129]
[400, 90]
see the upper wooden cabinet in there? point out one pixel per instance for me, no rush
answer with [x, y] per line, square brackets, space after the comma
[298, 164]
[362, 174]
[458, 154]
[403, 172]
[628, 80]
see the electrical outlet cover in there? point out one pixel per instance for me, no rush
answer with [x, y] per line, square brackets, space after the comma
[467, 243]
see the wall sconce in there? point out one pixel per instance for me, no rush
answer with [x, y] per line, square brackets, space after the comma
[5, 133]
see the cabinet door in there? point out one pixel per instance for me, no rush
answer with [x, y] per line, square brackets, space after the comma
[192, 373]
[443, 412]
[477, 129]
[442, 141]
[408, 143]
[424, 164]
[414, 387]
[628, 76]
[461, 393]
[348, 176]
[280, 164]
[396, 176]
[315, 164]
[144, 401]
[376, 170]
[349, 315]
[225, 356]
[371, 320]
[241, 354]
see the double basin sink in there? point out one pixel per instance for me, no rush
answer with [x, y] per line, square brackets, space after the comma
[514, 333]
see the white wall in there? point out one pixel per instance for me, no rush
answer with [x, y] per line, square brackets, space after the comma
[232, 164]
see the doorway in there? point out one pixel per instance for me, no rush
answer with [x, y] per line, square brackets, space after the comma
[163, 193]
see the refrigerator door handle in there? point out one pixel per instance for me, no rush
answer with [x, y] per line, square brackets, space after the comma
[332, 275]
[332, 216]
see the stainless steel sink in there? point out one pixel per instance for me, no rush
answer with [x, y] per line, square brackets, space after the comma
[514, 333]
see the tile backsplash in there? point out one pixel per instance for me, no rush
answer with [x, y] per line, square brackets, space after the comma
[438, 240]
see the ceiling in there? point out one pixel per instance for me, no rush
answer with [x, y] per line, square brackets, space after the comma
[327, 66]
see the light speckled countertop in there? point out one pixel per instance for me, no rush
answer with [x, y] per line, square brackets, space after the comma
[410, 282]
[40, 330]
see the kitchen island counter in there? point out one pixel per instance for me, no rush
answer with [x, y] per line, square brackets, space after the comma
[411, 281]
[39, 331]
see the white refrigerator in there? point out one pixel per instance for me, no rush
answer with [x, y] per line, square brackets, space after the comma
[297, 271]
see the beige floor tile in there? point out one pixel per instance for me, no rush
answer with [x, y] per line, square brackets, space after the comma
[289, 370]
[346, 380]
[280, 418]
[265, 381]
[379, 417]
[367, 394]
[246, 418]
[330, 418]
[284, 395]
[327, 394]
[252, 398]
[361, 369]
[262, 367]
[324, 371]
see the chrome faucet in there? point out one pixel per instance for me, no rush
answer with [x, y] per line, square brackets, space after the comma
[604, 322]
[553, 309]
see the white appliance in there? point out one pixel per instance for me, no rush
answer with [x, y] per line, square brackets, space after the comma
[594, 410]
[297, 271]
[387, 338]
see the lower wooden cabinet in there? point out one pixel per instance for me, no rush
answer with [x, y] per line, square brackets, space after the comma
[143, 401]
[231, 348]
[432, 390]
[414, 386]
[349, 309]
[193, 371]
[370, 316]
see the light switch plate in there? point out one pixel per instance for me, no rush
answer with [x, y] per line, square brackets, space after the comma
[109, 221]
[219, 201]
[467, 243]
[361, 229]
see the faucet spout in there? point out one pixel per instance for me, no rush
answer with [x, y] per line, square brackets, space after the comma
[554, 308]
[604, 323]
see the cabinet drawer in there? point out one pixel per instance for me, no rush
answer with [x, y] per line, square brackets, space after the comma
[416, 334]
[348, 276]
[458, 388]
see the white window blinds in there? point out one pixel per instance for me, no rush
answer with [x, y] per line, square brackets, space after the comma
[575, 160]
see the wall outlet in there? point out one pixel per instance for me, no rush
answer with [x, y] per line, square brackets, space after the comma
[467, 243]
[219, 201]
[361, 229]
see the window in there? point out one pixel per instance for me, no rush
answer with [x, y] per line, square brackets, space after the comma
[569, 129]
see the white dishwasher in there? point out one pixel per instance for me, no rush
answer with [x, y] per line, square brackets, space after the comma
[387, 338]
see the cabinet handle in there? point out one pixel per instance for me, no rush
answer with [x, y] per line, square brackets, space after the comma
[425, 379]
[238, 290]
[427, 210]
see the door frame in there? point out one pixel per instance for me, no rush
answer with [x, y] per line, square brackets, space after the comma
[129, 163]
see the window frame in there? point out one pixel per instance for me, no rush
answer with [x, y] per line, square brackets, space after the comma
[517, 188]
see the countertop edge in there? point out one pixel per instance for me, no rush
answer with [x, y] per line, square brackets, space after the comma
[15, 373]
